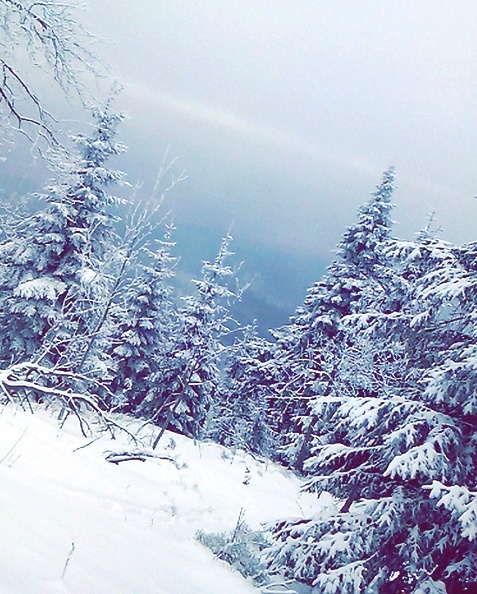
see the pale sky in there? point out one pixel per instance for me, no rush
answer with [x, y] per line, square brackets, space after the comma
[285, 113]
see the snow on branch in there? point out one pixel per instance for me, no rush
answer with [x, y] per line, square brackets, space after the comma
[461, 502]
[29, 378]
[46, 36]
[136, 455]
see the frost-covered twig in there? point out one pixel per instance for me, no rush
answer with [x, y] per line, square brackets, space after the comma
[15, 381]
[68, 558]
[49, 36]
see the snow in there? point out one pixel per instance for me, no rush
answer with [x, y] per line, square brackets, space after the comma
[462, 503]
[40, 288]
[74, 523]
[88, 276]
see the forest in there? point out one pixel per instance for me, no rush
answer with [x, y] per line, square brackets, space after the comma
[369, 392]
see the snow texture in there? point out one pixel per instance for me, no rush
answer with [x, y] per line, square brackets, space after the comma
[74, 523]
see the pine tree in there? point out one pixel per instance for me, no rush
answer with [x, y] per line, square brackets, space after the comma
[312, 347]
[191, 377]
[143, 331]
[52, 275]
[242, 414]
[396, 437]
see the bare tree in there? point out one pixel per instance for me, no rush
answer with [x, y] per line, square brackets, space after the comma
[40, 36]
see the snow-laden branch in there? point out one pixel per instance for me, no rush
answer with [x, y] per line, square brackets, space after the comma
[32, 378]
[461, 502]
[48, 37]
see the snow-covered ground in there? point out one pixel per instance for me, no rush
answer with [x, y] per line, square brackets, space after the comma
[71, 522]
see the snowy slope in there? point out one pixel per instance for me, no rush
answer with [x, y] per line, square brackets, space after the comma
[73, 523]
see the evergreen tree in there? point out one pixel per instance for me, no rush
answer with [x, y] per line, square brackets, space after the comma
[144, 328]
[191, 375]
[396, 436]
[242, 418]
[52, 268]
[312, 347]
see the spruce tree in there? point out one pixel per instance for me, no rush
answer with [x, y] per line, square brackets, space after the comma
[396, 436]
[191, 374]
[53, 274]
[311, 348]
[144, 325]
[242, 418]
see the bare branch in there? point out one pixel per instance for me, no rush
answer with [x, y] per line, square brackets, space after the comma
[48, 37]
[16, 380]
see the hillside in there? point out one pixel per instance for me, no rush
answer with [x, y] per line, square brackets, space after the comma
[74, 523]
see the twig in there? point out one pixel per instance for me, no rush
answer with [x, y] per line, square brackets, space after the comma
[70, 554]
[87, 444]
[13, 446]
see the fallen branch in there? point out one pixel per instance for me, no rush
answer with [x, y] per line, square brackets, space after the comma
[139, 455]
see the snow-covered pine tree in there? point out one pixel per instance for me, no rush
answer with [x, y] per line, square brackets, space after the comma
[144, 327]
[448, 441]
[403, 453]
[311, 349]
[191, 377]
[53, 264]
[242, 413]
[29, 295]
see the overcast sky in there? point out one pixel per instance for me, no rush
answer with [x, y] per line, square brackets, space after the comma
[285, 113]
